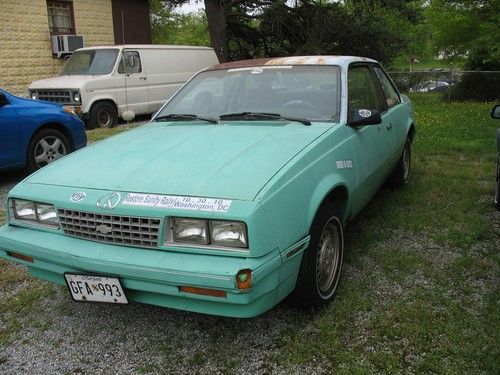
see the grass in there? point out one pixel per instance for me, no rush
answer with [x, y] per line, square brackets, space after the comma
[420, 287]
[419, 292]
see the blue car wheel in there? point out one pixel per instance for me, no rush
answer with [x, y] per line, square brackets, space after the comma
[46, 146]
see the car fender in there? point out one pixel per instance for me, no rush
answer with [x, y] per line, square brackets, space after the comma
[323, 189]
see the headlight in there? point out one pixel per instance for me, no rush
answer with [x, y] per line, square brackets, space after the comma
[228, 233]
[41, 213]
[76, 97]
[34, 95]
[24, 210]
[190, 230]
[216, 233]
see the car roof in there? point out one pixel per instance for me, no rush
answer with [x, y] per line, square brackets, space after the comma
[293, 60]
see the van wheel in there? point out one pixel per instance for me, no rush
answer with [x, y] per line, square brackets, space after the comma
[322, 262]
[102, 115]
[46, 146]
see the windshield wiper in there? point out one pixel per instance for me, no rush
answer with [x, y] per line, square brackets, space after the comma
[185, 116]
[273, 116]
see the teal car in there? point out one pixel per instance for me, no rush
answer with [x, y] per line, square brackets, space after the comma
[232, 198]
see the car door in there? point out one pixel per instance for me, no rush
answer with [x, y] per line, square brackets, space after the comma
[371, 161]
[10, 133]
[133, 83]
[396, 131]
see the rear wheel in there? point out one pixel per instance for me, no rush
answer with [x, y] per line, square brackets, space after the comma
[46, 146]
[497, 187]
[322, 262]
[102, 115]
[401, 174]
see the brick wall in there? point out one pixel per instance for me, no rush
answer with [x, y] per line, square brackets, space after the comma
[25, 50]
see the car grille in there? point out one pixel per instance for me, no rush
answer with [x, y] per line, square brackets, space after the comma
[119, 230]
[58, 96]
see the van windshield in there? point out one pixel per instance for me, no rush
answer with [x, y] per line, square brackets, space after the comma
[91, 62]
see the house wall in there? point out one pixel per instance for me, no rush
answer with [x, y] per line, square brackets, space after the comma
[25, 49]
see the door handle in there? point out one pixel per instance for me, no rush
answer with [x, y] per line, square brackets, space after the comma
[389, 126]
[143, 78]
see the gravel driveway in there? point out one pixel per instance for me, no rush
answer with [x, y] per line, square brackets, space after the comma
[60, 336]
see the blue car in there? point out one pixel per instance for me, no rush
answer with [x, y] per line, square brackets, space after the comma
[34, 134]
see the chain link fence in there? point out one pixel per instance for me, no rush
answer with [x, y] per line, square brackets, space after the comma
[452, 85]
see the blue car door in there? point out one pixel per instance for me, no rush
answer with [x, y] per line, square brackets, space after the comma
[10, 132]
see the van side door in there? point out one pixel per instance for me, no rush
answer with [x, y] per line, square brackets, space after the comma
[132, 83]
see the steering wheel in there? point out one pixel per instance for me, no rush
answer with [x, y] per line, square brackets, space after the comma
[300, 104]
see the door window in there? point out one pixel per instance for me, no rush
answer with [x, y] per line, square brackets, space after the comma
[390, 93]
[130, 63]
[362, 91]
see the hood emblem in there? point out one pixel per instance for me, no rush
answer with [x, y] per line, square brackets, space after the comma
[78, 196]
[109, 201]
[103, 229]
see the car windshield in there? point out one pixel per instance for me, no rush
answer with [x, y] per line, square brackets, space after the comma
[91, 62]
[302, 91]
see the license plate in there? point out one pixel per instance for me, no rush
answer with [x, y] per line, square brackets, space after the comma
[90, 288]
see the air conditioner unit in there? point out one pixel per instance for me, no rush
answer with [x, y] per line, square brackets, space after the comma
[65, 44]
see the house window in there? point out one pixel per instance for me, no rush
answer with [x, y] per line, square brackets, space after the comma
[61, 18]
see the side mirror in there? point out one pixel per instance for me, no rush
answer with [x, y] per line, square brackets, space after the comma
[362, 117]
[3, 99]
[495, 112]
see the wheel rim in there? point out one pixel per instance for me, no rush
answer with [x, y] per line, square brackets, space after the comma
[103, 118]
[406, 162]
[328, 258]
[48, 149]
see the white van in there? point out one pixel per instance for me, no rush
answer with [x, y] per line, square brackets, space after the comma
[102, 83]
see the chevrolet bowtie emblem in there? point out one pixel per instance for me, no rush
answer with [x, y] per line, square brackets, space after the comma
[103, 229]
[109, 201]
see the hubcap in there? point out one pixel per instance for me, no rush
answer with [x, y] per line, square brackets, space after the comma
[103, 118]
[328, 258]
[49, 149]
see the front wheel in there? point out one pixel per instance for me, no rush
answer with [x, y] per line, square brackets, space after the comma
[102, 115]
[322, 262]
[45, 147]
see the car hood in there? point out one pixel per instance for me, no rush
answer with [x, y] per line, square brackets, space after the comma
[230, 160]
[61, 82]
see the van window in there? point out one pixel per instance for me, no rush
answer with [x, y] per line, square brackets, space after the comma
[130, 63]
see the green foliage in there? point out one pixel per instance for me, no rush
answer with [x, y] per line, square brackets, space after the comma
[466, 29]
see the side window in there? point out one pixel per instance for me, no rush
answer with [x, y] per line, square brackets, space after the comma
[362, 91]
[130, 63]
[390, 93]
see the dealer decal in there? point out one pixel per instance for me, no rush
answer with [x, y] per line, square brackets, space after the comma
[177, 202]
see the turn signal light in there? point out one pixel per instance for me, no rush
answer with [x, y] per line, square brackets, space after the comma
[202, 291]
[244, 279]
[20, 256]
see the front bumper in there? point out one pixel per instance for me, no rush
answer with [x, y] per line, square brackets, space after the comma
[152, 276]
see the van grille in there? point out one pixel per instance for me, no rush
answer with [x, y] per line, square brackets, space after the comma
[58, 96]
[119, 230]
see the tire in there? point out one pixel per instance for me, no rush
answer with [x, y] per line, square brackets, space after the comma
[401, 174]
[497, 187]
[46, 146]
[102, 115]
[322, 262]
